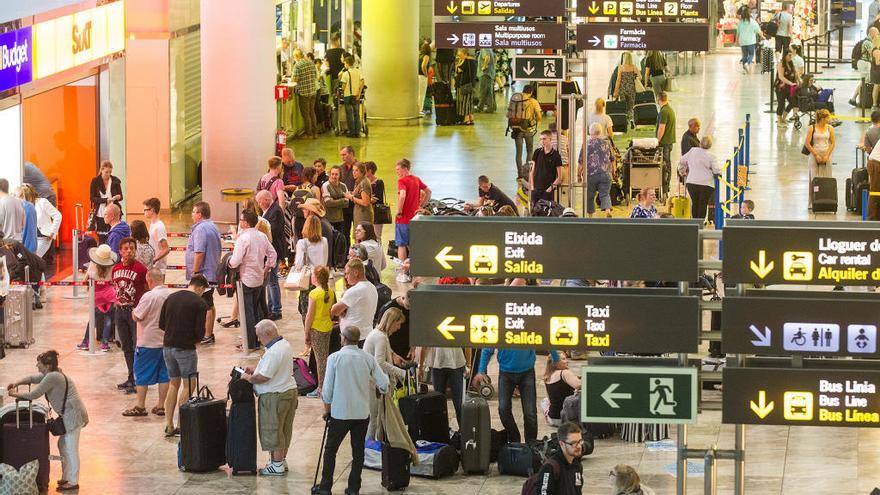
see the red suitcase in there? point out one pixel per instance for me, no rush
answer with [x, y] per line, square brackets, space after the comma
[25, 438]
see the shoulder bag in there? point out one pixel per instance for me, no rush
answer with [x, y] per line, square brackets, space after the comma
[300, 278]
[56, 425]
[804, 150]
[381, 214]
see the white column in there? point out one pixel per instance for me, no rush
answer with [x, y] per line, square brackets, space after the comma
[391, 27]
[238, 107]
[305, 25]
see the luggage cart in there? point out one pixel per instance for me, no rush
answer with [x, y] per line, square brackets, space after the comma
[341, 122]
[643, 168]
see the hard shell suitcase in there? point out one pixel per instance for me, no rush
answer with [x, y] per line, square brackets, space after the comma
[824, 192]
[18, 320]
[395, 468]
[518, 459]
[26, 438]
[425, 414]
[476, 429]
[645, 97]
[444, 105]
[202, 431]
[241, 438]
[619, 119]
[645, 114]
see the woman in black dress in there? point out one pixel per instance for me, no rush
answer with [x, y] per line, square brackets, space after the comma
[104, 189]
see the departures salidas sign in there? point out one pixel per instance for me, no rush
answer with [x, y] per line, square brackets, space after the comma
[802, 253]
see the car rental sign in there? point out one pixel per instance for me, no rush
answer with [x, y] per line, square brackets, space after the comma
[15, 58]
[506, 35]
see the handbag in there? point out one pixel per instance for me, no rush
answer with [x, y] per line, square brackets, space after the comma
[640, 88]
[300, 278]
[381, 214]
[56, 425]
[804, 149]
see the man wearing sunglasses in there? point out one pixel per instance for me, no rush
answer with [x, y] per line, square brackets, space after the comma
[562, 473]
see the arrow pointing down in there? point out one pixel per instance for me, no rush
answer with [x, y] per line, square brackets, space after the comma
[528, 69]
[593, 8]
[762, 408]
[453, 39]
[763, 337]
[451, 8]
[595, 40]
[762, 268]
[446, 326]
[609, 395]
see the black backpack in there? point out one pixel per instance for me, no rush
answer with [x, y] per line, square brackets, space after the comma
[530, 487]
[298, 197]
[771, 27]
[338, 249]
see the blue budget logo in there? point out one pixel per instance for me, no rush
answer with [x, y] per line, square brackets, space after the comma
[15, 58]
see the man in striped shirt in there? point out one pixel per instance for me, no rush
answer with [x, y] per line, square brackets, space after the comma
[306, 78]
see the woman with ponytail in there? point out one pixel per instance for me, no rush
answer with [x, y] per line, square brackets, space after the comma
[318, 324]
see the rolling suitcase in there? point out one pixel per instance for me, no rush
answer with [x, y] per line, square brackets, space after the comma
[645, 97]
[202, 444]
[619, 118]
[866, 96]
[241, 429]
[476, 429]
[18, 319]
[518, 459]
[425, 414]
[645, 114]
[444, 105]
[824, 193]
[395, 468]
[26, 438]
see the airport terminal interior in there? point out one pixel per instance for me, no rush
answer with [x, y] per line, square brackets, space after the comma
[177, 94]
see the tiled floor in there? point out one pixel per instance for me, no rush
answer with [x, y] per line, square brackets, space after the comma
[123, 455]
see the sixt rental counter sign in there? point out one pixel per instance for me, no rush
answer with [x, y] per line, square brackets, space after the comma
[15, 58]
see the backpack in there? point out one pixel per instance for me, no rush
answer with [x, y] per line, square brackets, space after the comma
[530, 487]
[298, 197]
[268, 185]
[384, 293]
[305, 380]
[517, 120]
[771, 27]
[547, 208]
[858, 53]
[338, 249]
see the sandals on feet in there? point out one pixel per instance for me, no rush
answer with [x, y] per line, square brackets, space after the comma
[172, 433]
[158, 411]
[67, 487]
[135, 411]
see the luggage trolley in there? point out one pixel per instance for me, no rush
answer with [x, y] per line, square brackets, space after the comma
[643, 168]
[341, 122]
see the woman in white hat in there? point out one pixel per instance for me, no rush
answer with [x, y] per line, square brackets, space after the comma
[101, 271]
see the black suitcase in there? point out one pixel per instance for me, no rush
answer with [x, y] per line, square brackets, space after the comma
[26, 438]
[476, 430]
[444, 105]
[645, 114]
[619, 118]
[395, 468]
[518, 459]
[824, 191]
[644, 97]
[425, 413]
[202, 432]
[866, 96]
[241, 438]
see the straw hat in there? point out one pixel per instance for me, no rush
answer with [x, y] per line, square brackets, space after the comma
[103, 255]
[314, 206]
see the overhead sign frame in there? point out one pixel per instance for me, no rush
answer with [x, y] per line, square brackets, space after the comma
[507, 8]
[638, 394]
[538, 68]
[667, 36]
[504, 35]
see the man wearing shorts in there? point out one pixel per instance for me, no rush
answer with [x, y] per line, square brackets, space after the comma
[149, 363]
[202, 256]
[412, 194]
[130, 281]
[183, 320]
[277, 396]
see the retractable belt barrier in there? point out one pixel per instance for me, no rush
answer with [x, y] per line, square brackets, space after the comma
[734, 176]
[85, 283]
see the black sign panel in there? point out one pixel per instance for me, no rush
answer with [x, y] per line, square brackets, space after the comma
[618, 249]
[627, 320]
[538, 68]
[642, 36]
[527, 8]
[691, 9]
[802, 253]
[507, 35]
[775, 323]
[800, 397]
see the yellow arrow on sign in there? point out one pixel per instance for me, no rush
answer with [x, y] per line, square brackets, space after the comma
[762, 408]
[451, 8]
[443, 257]
[593, 8]
[761, 269]
[446, 327]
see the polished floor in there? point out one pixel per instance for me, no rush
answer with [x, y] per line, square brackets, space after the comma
[125, 455]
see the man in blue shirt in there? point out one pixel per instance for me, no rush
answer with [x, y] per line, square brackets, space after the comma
[202, 256]
[517, 370]
[118, 228]
[348, 384]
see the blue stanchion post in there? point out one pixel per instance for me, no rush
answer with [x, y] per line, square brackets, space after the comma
[743, 161]
[748, 139]
[864, 204]
[719, 213]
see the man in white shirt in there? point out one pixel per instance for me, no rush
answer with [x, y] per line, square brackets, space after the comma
[276, 389]
[352, 376]
[158, 234]
[11, 214]
[254, 257]
[358, 305]
[785, 20]
[149, 363]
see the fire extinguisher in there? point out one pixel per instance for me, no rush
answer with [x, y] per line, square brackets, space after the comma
[280, 141]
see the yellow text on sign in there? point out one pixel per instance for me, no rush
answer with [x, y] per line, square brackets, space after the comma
[797, 265]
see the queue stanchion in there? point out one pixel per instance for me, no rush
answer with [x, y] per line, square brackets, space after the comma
[748, 139]
[93, 331]
[242, 318]
[861, 107]
[77, 223]
[772, 90]
[828, 64]
[719, 213]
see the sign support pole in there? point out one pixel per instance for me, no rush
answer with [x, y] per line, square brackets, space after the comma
[682, 430]
[710, 481]
[739, 448]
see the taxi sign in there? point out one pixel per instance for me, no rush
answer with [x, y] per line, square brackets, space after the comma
[801, 253]
[628, 320]
[775, 323]
[495, 247]
[801, 397]
[626, 394]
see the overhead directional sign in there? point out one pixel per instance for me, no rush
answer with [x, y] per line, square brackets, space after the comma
[625, 394]
[554, 318]
[801, 397]
[802, 253]
[526, 8]
[507, 35]
[691, 9]
[642, 36]
[538, 68]
[657, 250]
[774, 323]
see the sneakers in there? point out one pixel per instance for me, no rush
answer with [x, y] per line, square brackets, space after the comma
[404, 278]
[273, 469]
[124, 385]
[208, 340]
[105, 347]
[83, 346]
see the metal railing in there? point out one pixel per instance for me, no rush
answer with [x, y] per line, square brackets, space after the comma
[731, 185]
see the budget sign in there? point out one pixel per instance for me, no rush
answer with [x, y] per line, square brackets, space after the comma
[15, 58]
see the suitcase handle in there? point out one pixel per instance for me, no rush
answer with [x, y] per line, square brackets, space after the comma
[190, 396]
[30, 408]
